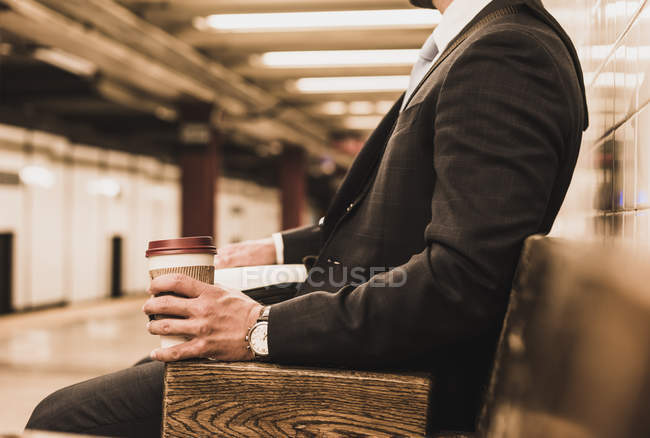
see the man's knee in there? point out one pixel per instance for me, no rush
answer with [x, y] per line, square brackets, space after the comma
[116, 404]
[49, 414]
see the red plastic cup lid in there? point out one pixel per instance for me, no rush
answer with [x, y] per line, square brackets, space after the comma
[183, 245]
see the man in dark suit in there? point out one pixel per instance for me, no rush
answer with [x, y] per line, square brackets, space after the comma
[414, 260]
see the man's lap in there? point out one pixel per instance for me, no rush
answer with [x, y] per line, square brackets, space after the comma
[125, 403]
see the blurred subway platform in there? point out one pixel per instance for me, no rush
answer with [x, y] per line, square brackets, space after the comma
[43, 351]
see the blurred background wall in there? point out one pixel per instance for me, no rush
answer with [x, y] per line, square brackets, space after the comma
[75, 214]
[609, 196]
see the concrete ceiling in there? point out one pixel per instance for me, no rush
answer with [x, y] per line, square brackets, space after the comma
[238, 50]
[152, 51]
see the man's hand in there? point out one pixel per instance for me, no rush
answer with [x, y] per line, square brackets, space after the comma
[215, 318]
[249, 253]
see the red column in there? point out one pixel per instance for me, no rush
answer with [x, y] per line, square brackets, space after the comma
[199, 161]
[293, 186]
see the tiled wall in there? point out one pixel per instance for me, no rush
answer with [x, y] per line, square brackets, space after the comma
[62, 229]
[610, 194]
[62, 225]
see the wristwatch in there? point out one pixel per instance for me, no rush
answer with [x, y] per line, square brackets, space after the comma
[257, 336]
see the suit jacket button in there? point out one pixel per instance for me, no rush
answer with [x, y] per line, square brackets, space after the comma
[350, 207]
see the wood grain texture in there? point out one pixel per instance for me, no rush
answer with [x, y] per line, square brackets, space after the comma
[204, 398]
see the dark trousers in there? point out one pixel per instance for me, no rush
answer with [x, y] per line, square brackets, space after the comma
[125, 404]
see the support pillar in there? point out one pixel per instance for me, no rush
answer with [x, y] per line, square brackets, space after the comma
[199, 162]
[293, 182]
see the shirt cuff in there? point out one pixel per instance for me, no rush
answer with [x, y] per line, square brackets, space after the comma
[279, 248]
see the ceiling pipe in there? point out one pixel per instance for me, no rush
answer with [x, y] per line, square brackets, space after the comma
[133, 51]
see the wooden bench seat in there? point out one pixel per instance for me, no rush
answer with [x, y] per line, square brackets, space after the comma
[573, 359]
[205, 398]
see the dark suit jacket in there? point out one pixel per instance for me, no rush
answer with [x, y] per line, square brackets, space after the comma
[443, 195]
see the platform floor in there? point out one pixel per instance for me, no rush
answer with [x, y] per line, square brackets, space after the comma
[46, 350]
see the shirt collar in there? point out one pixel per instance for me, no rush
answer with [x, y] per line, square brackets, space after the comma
[457, 15]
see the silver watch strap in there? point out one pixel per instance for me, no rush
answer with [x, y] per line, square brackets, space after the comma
[264, 315]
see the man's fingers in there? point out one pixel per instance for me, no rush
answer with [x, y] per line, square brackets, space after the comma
[177, 283]
[187, 350]
[171, 326]
[167, 305]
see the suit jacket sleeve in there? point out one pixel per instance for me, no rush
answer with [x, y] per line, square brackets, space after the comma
[502, 119]
[301, 242]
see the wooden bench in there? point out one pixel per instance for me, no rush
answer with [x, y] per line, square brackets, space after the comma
[561, 293]
[573, 359]
[204, 398]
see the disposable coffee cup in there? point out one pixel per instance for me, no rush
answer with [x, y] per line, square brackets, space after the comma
[191, 256]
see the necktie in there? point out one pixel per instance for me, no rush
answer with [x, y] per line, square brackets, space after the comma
[428, 53]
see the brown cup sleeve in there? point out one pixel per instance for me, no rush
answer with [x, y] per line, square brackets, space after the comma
[201, 273]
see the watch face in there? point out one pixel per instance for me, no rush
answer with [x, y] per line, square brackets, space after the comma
[258, 342]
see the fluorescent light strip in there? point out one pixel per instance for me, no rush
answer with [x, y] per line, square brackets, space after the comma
[287, 21]
[37, 176]
[352, 84]
[66, 61]
[104, 187]
[362, 123]
[334, 108]
[339, 58]
[338, 108]
[361, 108]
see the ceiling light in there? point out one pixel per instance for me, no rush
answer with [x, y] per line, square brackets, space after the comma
[66, 61]
[334, 108]
[352, 84]
[383, 106]
[37, 176]
[287, 21]
[337, 108]
[362, 123]
[361, 108]
[104, 187]
[339, 58]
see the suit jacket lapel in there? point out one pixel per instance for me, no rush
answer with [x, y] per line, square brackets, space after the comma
[363, 167]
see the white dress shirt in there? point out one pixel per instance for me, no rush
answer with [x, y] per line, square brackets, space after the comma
[279, 248]
[457, 15]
